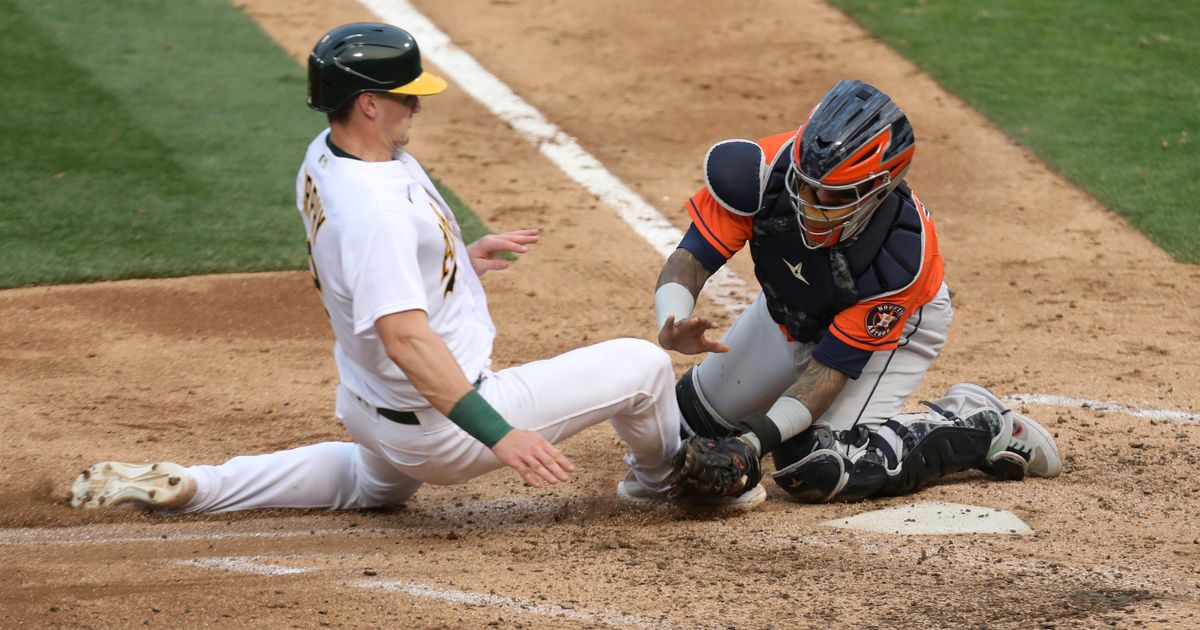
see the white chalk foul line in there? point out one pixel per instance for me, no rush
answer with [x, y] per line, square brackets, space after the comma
[111, 535]
[1169, 415]
[244, 564]
[607, 617]
[727, 289]
[257, 566]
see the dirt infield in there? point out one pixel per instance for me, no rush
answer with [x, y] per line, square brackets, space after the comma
[1054, 295]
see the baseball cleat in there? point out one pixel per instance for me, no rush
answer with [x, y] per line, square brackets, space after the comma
[632, 492]
[1027, 448]
[1035, 445]
[164, 486]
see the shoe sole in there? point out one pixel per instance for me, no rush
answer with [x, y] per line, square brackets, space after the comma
[109, 484]
[626, 497]
[746, 501]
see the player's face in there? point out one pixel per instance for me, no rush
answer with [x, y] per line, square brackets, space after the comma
[837, 206]
[396, 112]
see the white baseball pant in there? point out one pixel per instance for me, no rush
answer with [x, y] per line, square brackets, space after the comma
[627, 381]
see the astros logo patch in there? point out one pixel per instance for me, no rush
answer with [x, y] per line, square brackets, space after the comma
[882, 318]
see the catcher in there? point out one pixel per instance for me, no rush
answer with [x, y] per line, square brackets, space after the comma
[852, 312]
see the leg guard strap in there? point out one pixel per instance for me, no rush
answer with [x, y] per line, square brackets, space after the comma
[934, 450]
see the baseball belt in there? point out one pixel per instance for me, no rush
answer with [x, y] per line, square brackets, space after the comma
[403, 417]
[408, 417]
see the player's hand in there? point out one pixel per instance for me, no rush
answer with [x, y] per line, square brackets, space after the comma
[484, 250]
[534, 458]
[687, 336]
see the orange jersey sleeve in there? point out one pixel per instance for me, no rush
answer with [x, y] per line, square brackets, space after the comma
[725, 231]
[877, 324]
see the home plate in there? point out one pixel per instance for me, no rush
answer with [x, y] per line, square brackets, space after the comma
[935, 518]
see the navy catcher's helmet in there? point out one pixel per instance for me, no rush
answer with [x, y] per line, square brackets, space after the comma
[366, 57]
[855, 147]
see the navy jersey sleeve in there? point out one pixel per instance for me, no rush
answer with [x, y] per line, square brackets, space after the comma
[841, 356]
[709, 257]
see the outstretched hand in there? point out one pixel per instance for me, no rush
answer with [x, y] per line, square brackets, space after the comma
[687, 336]
[534, 458]
[483, 251]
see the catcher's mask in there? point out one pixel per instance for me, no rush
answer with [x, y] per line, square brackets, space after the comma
[847, 157]
[366, 57]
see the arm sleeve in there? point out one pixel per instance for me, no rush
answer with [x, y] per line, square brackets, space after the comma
[383, 267]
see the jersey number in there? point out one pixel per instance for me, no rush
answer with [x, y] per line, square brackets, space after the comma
[449, 259]
[314, 212]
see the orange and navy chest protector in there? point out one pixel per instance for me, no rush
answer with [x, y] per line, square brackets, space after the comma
[851, 299]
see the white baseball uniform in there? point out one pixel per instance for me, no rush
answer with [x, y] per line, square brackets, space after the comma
[382, 240]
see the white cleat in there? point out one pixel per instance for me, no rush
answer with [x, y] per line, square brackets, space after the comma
[1031, 441]
[1028, 450]
[164, 486]
[632, 492]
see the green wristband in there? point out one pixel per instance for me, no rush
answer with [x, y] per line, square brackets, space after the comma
[479, 419]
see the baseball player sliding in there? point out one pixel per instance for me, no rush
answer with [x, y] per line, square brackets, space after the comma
[852, 312]
[413, 333]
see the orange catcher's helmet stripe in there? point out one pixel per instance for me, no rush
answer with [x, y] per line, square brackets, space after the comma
[868, 161]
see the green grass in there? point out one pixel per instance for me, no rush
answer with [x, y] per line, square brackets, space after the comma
[144, 138]
[1105, 91]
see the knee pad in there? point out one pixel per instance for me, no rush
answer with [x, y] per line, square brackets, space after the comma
[698, 417]
[827, 475]
[815, 478]
[817, 437]
[812, 469]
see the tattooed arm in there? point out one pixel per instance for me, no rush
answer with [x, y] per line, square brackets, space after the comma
[679, 283]
[817, 388]
[683, 268]
[811, 396]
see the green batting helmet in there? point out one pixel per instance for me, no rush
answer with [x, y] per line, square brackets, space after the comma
[366, 57]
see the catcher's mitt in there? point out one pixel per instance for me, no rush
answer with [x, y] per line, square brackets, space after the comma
[723, 466]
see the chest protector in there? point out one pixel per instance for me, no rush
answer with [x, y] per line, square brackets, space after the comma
[805, 288]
